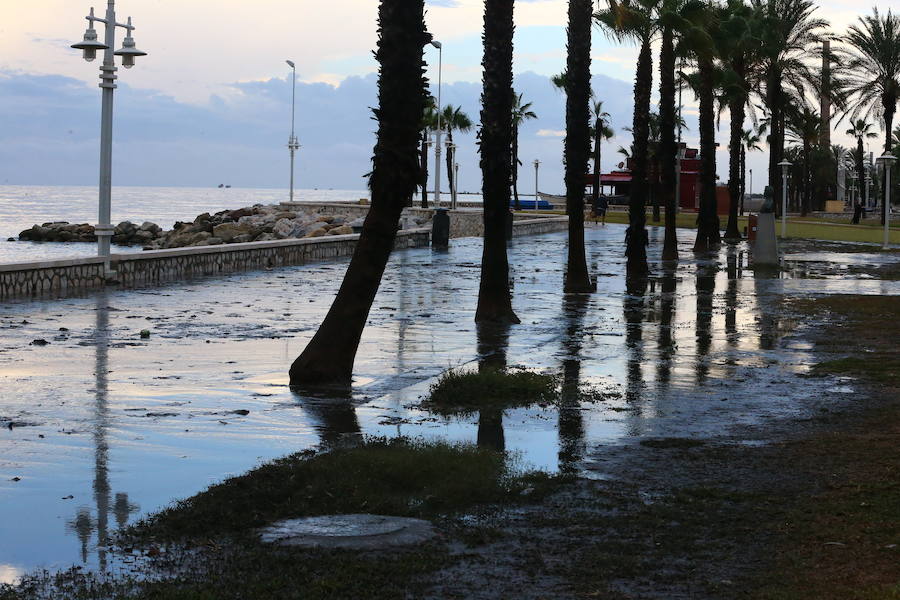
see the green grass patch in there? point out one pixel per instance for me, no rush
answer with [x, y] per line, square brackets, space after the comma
[392, 477]
[466, 392]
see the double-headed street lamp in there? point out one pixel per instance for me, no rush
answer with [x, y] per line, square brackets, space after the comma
[89, 46]
[437, 144]
[293, 144]
[888, 161]
[537, 165]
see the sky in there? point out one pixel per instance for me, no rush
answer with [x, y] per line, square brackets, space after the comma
[211, 103]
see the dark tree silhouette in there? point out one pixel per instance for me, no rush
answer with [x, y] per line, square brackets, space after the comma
[578, 143]
[495, 146]
[329, 356]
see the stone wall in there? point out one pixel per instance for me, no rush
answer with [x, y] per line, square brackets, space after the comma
[540, 225]
[52, 278]
[156, 267]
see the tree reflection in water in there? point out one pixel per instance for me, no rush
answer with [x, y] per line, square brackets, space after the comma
[493, 344]
[571, 423]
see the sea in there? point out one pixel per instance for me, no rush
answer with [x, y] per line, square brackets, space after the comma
[24, 206]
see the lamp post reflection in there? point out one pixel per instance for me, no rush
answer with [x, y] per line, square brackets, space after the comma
[83, 525]
[633, 305]
[706, 289]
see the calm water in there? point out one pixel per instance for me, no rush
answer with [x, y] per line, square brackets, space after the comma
[23, 206]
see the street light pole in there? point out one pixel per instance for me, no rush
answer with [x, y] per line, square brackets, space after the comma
[437, 145]
[887, 160]
[785, 165]
[537, 165]
[451, 156]
[293, 145]
[90, 45]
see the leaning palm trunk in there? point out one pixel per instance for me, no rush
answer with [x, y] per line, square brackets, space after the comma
[636, 235]
[735, 145]
[494, 300]
[708, 219]
[668, 148]
[578, 143]
[329, 356]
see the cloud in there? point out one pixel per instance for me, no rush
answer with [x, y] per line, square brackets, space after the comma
[49, 132]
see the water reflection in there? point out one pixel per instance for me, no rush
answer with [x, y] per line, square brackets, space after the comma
[493, 345]
[666, 340]
[634, 310]
[84, 525]
[571, 422]
[706, 289]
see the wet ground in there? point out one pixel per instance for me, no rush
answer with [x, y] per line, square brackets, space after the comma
[101, 426]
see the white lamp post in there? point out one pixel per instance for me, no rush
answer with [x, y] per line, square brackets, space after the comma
[90, 45]
[785, 165]
[437, 146]
[537, 165]
[868, 185]
[293, 144]
[888, 161]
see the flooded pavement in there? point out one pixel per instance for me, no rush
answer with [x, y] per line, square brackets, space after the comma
[101, 426]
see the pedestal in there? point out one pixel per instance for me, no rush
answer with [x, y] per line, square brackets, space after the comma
[765, 248]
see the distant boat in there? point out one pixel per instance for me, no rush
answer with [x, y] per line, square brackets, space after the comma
[227, 186]
[221, 185]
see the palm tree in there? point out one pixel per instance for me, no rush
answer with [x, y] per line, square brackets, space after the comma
[600, 131]
[633, 19]
[329, 356]
[495, 145]
[738, 44]
[803, 127]
[520, 114]
[861, 130]
[670, 21]
[578, 143]
[750, 141]
[453, 119]
[699, 38]
[873, 69]
[873, 72]
[789, 33]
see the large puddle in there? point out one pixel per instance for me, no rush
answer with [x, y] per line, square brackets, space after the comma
[101, 426]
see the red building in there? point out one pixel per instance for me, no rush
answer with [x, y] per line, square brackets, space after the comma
[617, 184]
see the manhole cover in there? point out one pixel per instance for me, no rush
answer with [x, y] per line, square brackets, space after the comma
[348, 531]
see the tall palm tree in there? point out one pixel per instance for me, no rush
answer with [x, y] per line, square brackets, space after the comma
[739, 45]
[453, 119]
[600, 131]
[861, 130]
[329, 356]
[790, 33]
[495, 145]
[670, 21]
[873, 72]
[634, 20]
[520, 114]
[872, 69]
[578, 143]
[699, 38]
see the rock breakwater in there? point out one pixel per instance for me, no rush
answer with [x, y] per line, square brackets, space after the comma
[249, 224]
